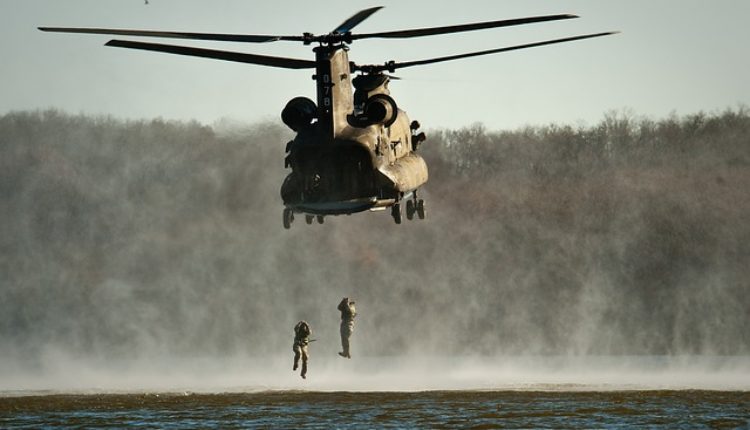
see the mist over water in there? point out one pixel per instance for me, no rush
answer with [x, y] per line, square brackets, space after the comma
[151, 255]
[327, 372]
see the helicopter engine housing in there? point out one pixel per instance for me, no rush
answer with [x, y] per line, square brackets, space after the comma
[299, 113]
[381, 109]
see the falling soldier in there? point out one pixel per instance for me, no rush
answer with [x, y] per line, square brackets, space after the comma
[302, 333]
[347, 324]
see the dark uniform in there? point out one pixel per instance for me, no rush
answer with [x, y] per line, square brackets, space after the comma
[347, 324]
[302, 333]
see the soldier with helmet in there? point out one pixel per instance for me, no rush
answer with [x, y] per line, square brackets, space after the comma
[346, 306]
[302, 334]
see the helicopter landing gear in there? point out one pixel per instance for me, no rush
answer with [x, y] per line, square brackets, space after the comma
[410, 209]
[415, 206]
[288, 218]
[396, 213]
[309, 219]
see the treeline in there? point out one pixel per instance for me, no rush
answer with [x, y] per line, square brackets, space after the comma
[620, 139]
[127, 238]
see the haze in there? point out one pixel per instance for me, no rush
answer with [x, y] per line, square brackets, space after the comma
[141, 244]
[151, 253]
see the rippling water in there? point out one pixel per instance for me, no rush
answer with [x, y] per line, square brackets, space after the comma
[381, 392]
[430, 409]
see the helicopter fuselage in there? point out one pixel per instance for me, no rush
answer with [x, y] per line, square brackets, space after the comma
[357, 152]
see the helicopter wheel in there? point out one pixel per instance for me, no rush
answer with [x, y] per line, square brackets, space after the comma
[320, 219]
[410, 209]
[288, 218]
[396, 213]
[309, 219]
[420, 209]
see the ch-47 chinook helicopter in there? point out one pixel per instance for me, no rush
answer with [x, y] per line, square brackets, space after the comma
[354, 150]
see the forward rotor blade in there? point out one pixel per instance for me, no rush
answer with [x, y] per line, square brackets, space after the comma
[419, 32]
[254, 38]
[358, 17]
[264, 60]
[391, 66]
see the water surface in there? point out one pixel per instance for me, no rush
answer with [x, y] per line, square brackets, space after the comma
[430, 409]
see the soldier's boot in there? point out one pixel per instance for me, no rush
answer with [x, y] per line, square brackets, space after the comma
[344, 347]
[304, 370]
[345, 353]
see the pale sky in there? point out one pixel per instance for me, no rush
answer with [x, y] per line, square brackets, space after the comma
[679, 56]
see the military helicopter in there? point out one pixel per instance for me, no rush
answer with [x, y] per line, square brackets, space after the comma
[354, 150]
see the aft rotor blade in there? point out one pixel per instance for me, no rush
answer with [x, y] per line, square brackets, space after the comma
[264, 60]
[254, 38]
[391, 66]
[419, 32]
[358, 17]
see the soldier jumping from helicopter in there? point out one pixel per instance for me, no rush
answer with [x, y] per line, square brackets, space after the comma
[302, 333]
[348, 313]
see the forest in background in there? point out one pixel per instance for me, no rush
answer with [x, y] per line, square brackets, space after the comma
[152, 237]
